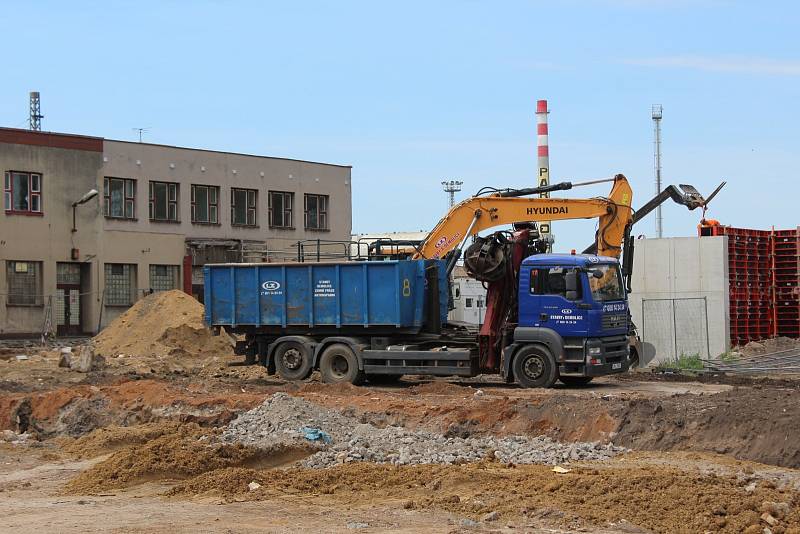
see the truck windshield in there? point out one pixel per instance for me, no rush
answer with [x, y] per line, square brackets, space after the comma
[607, 287]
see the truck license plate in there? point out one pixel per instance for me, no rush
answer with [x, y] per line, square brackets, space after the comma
[617, 365]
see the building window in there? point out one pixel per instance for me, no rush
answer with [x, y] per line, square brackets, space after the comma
[164, 277]
[120, 198]
[243, 206]
[468, 302]
[163, 201]
[205, 201]
[120, 287]
[316, 212]
[22, 192]
[24, 283]
[280, 209]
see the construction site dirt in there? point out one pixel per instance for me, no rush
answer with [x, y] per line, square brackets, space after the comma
[141, 443]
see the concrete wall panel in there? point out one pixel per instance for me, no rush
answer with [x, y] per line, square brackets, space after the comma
[675, 269]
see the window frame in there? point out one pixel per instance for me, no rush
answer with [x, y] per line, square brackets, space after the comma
[170, 271]
[537, 282]
[322, 211]
[8, 193]
[38, 298]
[172, 187]
[131, 284]
[287, 211]
[211, 206]
[251, 207]
[127, 197]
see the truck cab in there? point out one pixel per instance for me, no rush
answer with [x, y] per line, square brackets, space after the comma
[573, 313]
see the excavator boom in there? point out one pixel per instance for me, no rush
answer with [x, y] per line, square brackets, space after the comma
[479, 213]
[685, 195]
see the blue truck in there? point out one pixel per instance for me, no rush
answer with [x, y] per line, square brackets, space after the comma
[549, 317]
[566, 318]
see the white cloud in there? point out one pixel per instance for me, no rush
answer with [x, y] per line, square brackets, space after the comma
[736, 64]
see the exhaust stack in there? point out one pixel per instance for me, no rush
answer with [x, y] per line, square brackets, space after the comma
[543, 152]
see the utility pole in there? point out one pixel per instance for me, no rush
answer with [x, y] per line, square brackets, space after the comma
[35, 117]
[656, 115]
[452, 187]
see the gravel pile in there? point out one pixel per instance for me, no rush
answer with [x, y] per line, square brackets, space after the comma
[283, 419]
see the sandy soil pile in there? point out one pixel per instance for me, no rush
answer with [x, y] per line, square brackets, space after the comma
[104, 440]
[188, 451]
[656, 498]
[164, 325]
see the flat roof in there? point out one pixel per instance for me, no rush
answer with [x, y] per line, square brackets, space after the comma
[21, 136]
[230, 153]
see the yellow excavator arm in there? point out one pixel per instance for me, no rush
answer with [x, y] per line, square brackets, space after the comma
[479, 213]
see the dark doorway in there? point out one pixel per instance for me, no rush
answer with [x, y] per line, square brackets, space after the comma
[67, 305]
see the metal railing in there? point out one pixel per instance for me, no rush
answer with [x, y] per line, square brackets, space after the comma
[363, 249]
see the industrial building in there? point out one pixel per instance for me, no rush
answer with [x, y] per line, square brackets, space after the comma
[72, 260]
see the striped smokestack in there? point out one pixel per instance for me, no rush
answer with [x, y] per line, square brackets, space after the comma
[543, 151]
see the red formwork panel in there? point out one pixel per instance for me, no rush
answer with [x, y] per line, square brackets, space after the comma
[764, 281]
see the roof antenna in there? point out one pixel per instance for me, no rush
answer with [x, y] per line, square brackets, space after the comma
[140, 130]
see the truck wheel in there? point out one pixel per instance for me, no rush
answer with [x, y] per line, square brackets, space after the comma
[575, 380]
[535, 367]
[338, 364]
[293, 361]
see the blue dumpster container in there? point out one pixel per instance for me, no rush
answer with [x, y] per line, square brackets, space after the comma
[348, 294]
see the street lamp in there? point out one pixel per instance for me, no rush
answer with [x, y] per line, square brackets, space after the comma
[83, 200]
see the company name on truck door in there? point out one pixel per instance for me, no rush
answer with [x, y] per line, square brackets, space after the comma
[567, 316]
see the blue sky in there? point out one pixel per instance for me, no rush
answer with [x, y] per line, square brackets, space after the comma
[411, 93]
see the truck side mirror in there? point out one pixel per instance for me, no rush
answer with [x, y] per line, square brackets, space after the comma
[571, 284]
[597, 273]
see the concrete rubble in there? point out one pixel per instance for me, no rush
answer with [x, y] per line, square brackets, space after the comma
[83, 362]
[15, 438]
[281, 418]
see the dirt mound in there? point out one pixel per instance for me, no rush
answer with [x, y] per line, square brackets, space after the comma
[164, 324]
[747, 423]
[660, 499]
[774, 344]
[112, 438]
[188, 451]
[229, 483]
[76, 411]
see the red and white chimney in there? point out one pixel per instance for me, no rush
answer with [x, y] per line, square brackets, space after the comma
[543, 152]
[543, 148]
